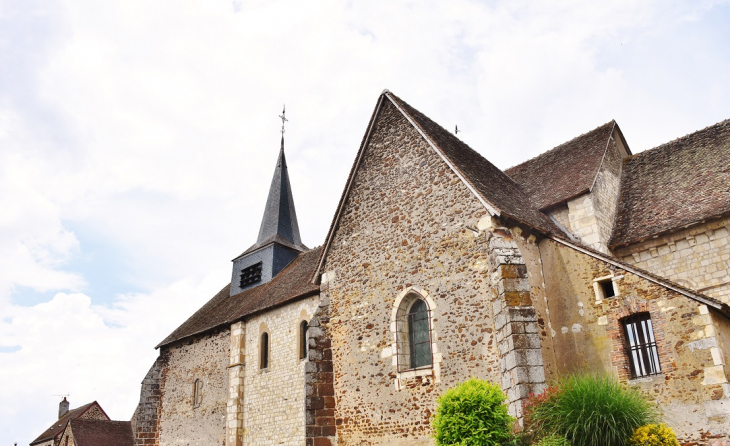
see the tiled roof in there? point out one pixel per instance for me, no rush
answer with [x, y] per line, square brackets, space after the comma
[491, 183]
[58, 426]
[564, 172]
[292, 283]
[102, 433]
[674, 185]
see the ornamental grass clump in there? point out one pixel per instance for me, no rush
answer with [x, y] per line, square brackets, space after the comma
[653, 435]
[590, 410]
[473, 413]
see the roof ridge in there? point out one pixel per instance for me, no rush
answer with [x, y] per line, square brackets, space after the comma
[582, 135]
[673, 141]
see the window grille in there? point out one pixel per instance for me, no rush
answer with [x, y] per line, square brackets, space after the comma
[303, 327]
[251, 274]
[641, 345]
[264, 362]
[414, 337]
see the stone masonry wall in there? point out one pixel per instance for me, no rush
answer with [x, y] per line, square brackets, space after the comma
[590, 217]
[606, 190]
[409, 225]
[697, 257]
[67, 439]
[319, 387]
[692, 389]
[515, 321]
[145, 421]
[273, 398]
[94, 413]
[203, 357]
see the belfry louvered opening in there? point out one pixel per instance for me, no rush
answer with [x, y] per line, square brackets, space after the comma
[641, 345]
[251, 274]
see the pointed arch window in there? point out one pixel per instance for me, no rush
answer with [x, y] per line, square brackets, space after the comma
[413, 326]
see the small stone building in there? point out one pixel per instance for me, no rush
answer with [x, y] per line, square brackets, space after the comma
[439, 267]
[56, 433]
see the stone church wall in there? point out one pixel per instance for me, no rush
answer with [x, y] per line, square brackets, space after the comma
[590, 217]
[203, 357]
[587, 335]
[409, 225]
[697, 257]
[273, 398]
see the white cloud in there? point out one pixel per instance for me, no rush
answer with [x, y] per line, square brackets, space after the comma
[141, 136]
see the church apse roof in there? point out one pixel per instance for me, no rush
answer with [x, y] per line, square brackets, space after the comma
[566, 171]
[677, 184]
[292, 283]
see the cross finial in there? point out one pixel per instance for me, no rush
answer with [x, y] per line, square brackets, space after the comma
[283, 120]
[456, 130]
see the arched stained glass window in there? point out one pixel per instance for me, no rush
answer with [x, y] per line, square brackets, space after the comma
[419, 335]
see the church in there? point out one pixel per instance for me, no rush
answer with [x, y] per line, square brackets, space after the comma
[439, 267]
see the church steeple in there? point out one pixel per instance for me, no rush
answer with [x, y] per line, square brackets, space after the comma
[278, 242]
[280, 218]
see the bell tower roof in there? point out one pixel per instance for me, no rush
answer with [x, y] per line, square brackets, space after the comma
[279, 224]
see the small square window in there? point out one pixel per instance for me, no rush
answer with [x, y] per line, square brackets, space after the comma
[605, 287]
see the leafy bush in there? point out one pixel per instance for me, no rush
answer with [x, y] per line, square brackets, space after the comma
[589, 410]
[553, 440]
[473, 413]
[653, 435]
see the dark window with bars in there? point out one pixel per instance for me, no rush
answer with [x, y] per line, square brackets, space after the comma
[251, 274]
[641, 345]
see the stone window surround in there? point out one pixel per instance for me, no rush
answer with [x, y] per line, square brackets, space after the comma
[197, 393]
[435, 368]
[599, 291]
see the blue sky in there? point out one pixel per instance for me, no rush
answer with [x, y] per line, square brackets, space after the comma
[138, 139]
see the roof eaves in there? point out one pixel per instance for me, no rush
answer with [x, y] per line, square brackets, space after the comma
[720, 306]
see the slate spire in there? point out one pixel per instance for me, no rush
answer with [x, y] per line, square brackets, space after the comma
[280, 218]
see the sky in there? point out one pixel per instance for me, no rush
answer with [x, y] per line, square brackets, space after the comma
[138, 140]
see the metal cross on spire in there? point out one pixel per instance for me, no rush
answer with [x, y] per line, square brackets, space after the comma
[283, 120]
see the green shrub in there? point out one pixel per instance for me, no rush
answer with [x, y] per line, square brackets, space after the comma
[553, 440]
[653, 435]
[473, 413]
[589, 410]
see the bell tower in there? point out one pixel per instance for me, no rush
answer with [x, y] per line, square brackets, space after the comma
[278, 242]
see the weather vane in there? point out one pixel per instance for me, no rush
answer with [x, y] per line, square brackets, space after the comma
[283, 120]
